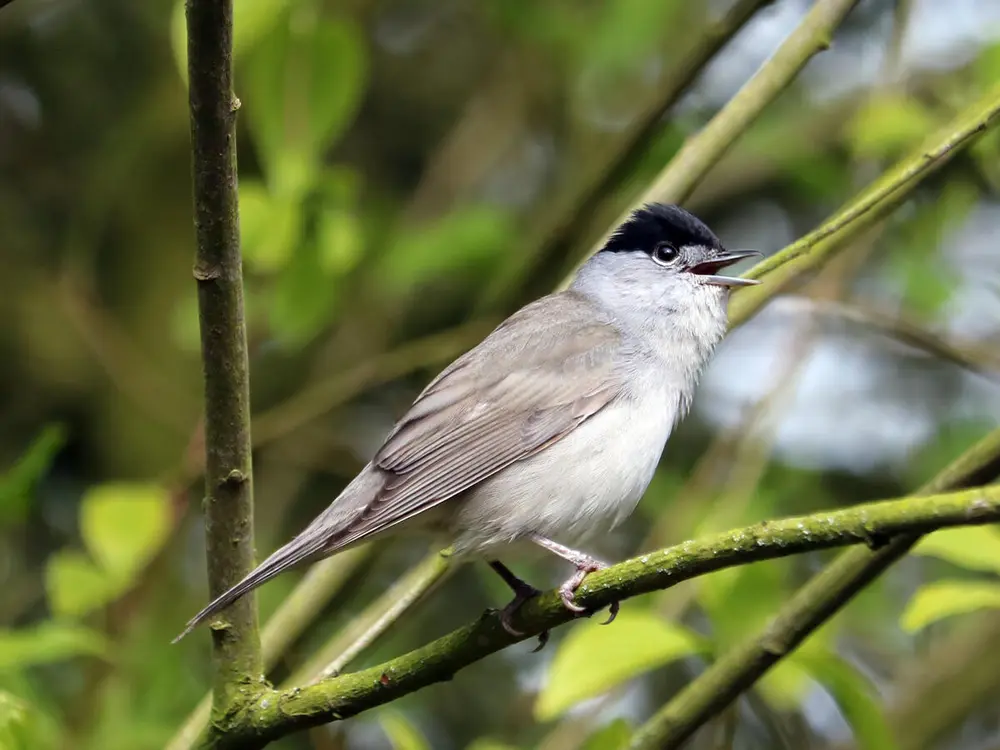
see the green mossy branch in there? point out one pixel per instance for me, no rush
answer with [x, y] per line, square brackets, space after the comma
[871, 206]
[815, 603]
[273, 714]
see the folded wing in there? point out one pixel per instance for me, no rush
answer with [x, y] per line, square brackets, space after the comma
[481, 414]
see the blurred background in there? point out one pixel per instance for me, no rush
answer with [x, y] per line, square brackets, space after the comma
[412, 172]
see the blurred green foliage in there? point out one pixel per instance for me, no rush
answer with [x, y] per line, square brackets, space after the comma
[392, 158]
[643, 642]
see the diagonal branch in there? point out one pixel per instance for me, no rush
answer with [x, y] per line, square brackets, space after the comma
[275, 713]
[554, 234]
[703, 151]
[980, 359]
[228, 486]
[871, 206]
[811, 606]
[374, 621]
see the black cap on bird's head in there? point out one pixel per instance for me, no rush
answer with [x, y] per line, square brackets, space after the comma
[676, 238]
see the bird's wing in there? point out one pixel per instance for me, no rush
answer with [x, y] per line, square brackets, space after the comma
[481, 414]
[478, 416]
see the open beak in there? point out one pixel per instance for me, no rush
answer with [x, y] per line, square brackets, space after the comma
[709, 268]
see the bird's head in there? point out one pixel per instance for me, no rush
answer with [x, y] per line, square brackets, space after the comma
[674, 243]
[662, 256]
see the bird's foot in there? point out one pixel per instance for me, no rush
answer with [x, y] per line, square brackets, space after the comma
[584, 564]
[507, 613]
[523, 591]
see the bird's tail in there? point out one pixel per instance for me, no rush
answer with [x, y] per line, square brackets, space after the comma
[323, 537]
[302, 547]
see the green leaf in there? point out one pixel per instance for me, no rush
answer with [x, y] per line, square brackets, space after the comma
[49, 642]
[270, 227]
[489, 744]
[936, 601]
[18, 484]
[23, 726]
[916, 252]
[459, 240]
[887, 125]
[928, 288]
[629, 31]
[987, 65]
[592, 659]
[124, 525]
[854, 694]
[614, 736]
[402, 734]
[784, 686]
[340, 242]
[75, 585]
[252, 19]
[972, 547]
[742, 598]
[13, 721]
[338, 74]
[305, 83]
[303, 298]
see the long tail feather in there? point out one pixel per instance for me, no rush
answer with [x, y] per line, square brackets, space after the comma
[296, 551]
[323, 537]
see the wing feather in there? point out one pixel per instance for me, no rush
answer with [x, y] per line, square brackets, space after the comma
[479, 415]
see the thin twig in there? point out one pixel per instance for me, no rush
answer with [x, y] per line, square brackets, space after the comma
[812, 605]
[371, 624]
[556, 229]
[274, 714]
[981, 360]
[218, 271]
[872, 205]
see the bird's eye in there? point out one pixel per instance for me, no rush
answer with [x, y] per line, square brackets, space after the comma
[664, 253]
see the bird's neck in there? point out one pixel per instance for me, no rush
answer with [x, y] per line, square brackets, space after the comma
[677, 327]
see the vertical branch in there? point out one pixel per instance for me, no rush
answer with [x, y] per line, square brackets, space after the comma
[217, 269]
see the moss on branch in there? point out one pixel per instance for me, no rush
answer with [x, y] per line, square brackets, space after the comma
[815, 603]
[275, 713]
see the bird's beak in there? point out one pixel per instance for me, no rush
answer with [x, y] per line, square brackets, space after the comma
[708, 268]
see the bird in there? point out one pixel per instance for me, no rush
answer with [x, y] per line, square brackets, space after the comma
[548, 432]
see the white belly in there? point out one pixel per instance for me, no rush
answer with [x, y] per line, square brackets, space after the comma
[582, 485]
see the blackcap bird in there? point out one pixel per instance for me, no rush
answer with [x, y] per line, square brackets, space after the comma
[552, 427]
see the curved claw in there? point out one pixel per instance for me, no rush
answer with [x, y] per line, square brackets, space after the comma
[612, 613]
[568, 603]
[543, 638]
[506, 624]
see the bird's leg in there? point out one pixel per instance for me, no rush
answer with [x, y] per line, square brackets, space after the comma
[522, 592]
[584, 564]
